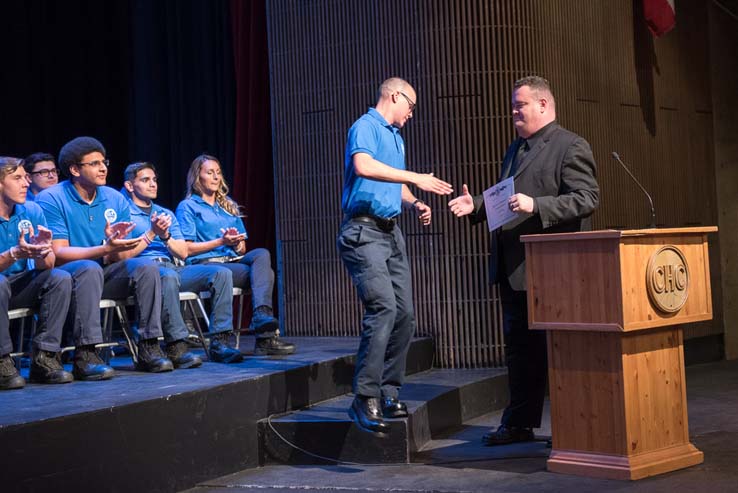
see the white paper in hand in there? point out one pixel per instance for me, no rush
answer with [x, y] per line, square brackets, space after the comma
[496, 203]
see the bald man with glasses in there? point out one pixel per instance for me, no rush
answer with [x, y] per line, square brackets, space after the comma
[372, 249]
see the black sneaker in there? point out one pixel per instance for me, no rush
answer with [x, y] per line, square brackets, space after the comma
[46, 367]
[150, 357]
[87, 365]
[178, 352]
[272, 346]
[220, 351]
[9, 377]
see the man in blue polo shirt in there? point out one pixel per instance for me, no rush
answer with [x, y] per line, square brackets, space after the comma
[41, 171]
[29, 280]
[90, 223]
[372, 248]
[163, 242]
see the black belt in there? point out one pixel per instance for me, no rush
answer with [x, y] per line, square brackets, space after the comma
[385, 224]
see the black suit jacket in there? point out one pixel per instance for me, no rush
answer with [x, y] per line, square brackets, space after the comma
[559, 172]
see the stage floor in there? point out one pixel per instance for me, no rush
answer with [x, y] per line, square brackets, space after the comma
[41, 402]
[459, 463]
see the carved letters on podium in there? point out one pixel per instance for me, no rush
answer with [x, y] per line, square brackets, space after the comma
[667, 279]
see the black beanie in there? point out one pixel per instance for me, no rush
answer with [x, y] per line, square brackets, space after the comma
[75, 149]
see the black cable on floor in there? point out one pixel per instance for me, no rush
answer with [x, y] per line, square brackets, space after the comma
[368, 464]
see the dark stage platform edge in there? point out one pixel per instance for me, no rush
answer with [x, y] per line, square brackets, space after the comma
[166, 432]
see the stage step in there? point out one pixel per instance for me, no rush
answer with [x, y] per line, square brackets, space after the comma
[167, 431]
[437, 400]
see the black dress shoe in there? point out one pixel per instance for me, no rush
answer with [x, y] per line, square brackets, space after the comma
[507, 434]
[393, 408]
[366, 413]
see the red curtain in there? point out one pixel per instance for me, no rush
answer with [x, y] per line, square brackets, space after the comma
[253, 179]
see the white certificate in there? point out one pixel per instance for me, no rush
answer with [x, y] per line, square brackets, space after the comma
[496, 203]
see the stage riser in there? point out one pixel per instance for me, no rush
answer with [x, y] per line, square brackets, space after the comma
[173, 442]
[437, 405]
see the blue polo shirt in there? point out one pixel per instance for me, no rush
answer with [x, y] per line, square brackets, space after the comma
[143, 223]
[73, 219]
[24, 215]
[30, 196]
[371, 134]
[200, 221]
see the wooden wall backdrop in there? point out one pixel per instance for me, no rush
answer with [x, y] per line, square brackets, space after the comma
[649, 100]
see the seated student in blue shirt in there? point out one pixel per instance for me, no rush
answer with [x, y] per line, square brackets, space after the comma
[41, 171]
[212, 225]
[91, 223]
[162, 243]
[29, 280]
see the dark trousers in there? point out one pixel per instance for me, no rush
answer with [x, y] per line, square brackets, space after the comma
[48, 292]
[90, 282]
[377, 263]
[255, 271]
[526, 358]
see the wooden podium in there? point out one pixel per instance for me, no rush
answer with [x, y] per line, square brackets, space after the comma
[611, 302]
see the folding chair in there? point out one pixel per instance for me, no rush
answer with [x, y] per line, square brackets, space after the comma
[192, 302]
[118, 307]
[20, 314]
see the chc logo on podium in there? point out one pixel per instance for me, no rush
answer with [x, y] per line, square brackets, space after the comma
[667, 279]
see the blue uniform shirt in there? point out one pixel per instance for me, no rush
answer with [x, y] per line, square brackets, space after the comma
[30, 196]
[143, 223]
[371, 134]
[73, 219]
[24, 215]
[200, 221]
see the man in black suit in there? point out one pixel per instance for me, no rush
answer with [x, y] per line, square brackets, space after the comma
[555, 180]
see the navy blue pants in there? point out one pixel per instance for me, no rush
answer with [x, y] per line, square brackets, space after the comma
[377, 263]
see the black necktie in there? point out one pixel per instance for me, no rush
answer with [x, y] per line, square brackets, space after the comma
[519, 155]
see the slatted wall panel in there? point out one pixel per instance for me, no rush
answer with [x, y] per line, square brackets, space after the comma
[647, 99]
[327, 59]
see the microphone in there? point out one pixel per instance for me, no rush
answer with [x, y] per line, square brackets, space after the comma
[616, 157]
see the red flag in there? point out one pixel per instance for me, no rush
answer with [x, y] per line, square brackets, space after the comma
[659, 16]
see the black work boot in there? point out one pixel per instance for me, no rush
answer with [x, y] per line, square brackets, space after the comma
[220, 351]
[9, 377]
[272, 346]
[150, 357]
[263, 320]
[180, 355]
[46, 367]
[366, 412]
[87, 365]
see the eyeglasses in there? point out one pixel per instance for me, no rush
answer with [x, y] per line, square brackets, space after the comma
[48, 173]
[96, 164]
[410, 102]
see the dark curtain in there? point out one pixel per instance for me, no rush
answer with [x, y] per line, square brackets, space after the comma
[253, 178]
[182, 89]
[64, 72]
[160, 81]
